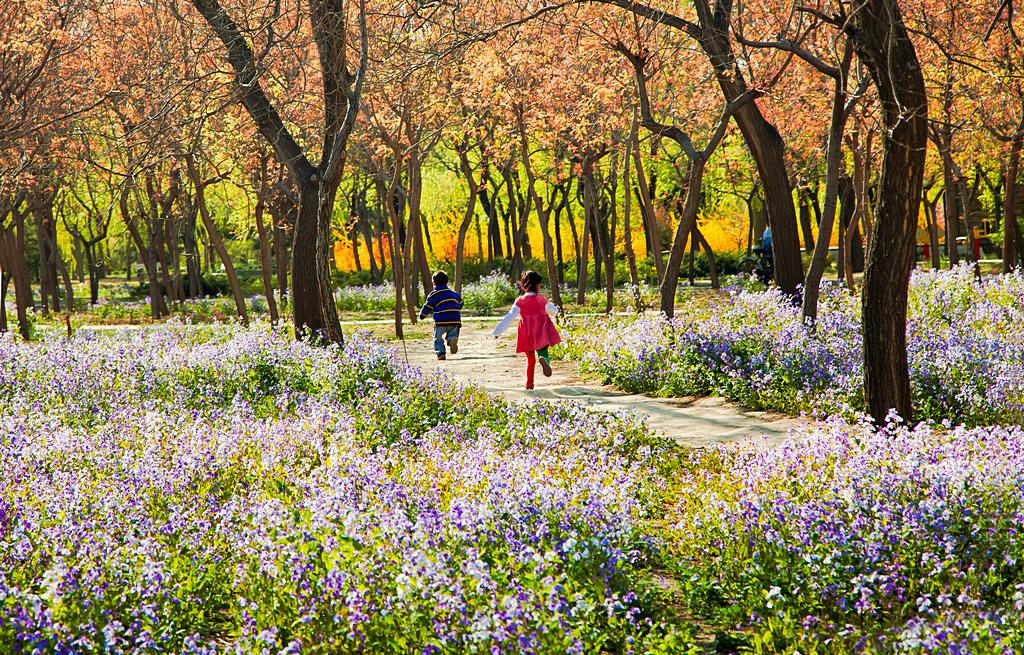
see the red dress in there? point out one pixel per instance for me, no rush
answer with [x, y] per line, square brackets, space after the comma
[536, 330]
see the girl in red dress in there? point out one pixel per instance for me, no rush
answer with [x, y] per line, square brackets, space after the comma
[536, 330]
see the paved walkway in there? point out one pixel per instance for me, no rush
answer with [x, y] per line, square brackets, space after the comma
[494, 365]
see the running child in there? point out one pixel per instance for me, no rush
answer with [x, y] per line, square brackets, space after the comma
[536, 330]
[446, 306]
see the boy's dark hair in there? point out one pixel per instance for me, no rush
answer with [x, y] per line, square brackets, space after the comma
[440, 278]
[530, 281]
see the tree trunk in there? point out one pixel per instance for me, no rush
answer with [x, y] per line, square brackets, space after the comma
[193, 267]
[281, 251]
[479, 237]
[634, 277]
[581, 279]
[805, 221]
[415, 169]
[543, 213]
[266, 265]
[881, 40]
[157, 306]
[1010, 203]
[602, 249]
[386, 191]
[571, 220]
[768, 151]
[5, 278]
[14, 257]
[366, 227]
[650, 221]
[687, 221]
[698, 237]
[467, 217]
[513, 224]
[833, 170]
[59, 266]
[94, 278]
[309, 258]
[950, 212]
[43, 248]
[217, 242]
[559, 256]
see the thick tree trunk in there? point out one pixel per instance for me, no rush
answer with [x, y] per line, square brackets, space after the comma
[408, 264]
[309, 266]
[174, 255]
[79, 256]
[882, 42]
[479, 237]
[159, 214]
[57, 266]
[490, 205]
[767, 148]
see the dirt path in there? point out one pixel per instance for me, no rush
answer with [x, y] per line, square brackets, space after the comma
[493, 365]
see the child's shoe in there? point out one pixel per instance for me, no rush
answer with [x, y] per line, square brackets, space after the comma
[529, 387]
[440, 357]
[545, 366]
[454, 345]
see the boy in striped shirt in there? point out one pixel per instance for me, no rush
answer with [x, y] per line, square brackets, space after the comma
[446, 307]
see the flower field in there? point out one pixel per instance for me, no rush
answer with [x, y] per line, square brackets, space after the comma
[965, 343]
[206, 489]
[848, 540]
[218, 489]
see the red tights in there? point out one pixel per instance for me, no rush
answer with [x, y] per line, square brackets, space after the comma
[531, 363]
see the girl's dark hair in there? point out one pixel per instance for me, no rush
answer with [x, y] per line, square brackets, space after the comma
[530, 281]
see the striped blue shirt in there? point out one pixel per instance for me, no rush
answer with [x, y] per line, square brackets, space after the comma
[445, 305]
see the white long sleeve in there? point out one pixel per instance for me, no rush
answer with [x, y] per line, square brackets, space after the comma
[506, 322]
[552, 309]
